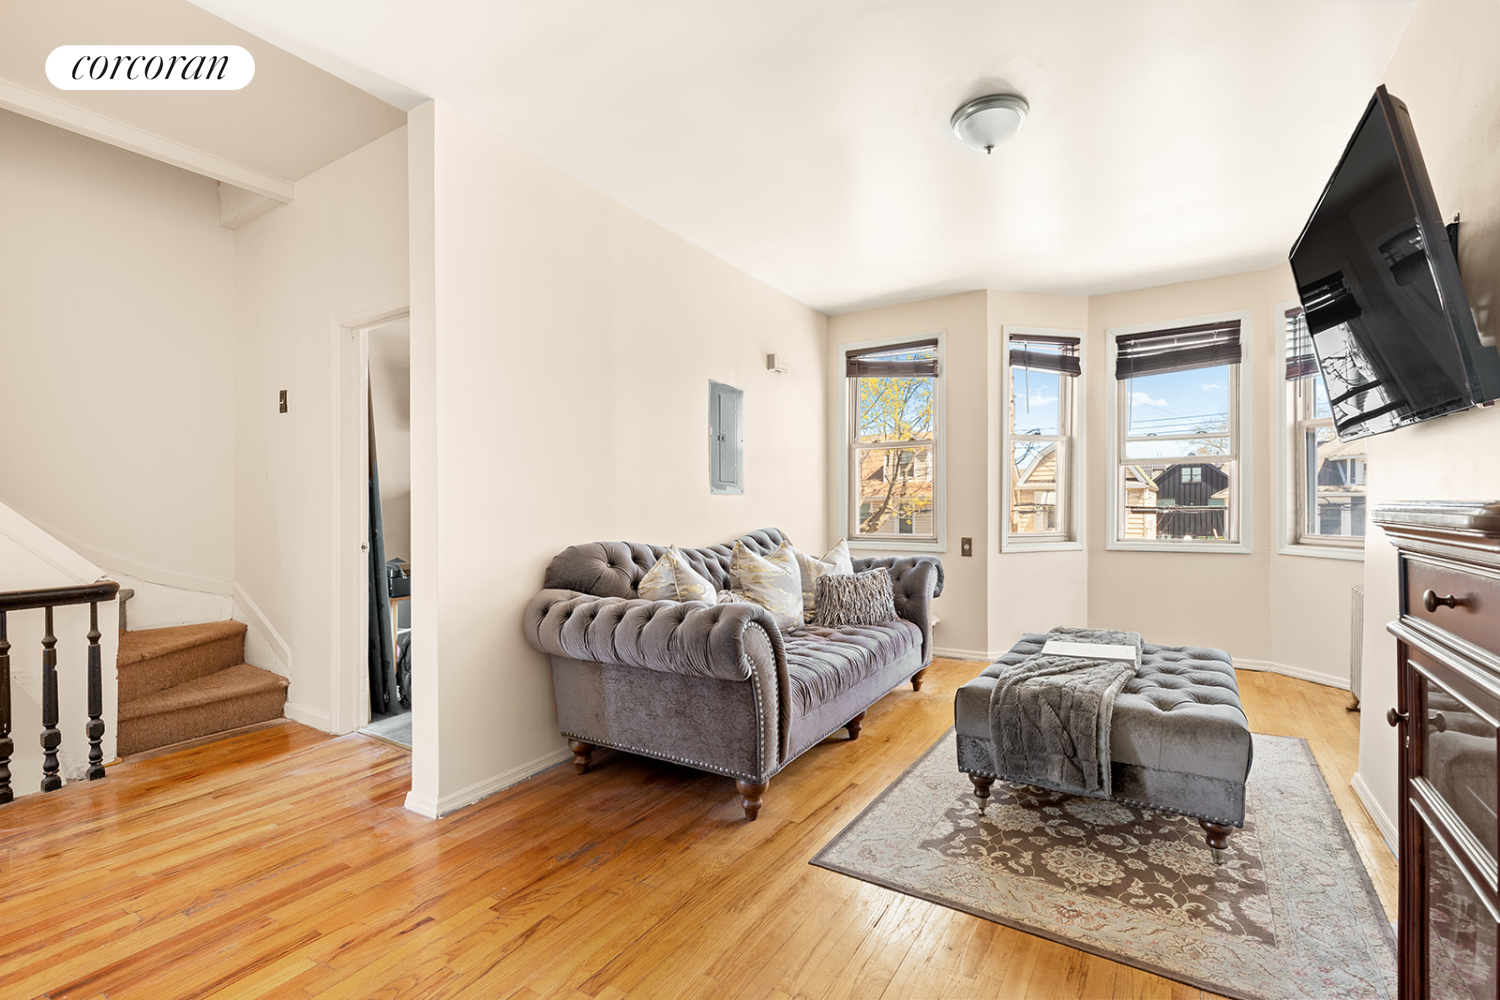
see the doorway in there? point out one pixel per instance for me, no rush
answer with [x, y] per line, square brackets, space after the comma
[388, 589]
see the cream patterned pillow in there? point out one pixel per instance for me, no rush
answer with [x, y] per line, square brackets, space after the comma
[835, 561]
[674, 579]
[774, 581]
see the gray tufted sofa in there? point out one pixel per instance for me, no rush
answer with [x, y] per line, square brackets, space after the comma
[714, 686]
[1179, 739]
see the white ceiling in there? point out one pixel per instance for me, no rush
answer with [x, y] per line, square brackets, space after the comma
[292, 118]
[807, 142]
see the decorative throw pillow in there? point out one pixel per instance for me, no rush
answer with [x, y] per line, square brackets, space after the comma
[835, 560]
[731, 597]
[774, 581]
[861, 599]
[674, 579]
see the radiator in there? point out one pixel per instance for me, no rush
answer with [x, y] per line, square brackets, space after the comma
[1356, 642]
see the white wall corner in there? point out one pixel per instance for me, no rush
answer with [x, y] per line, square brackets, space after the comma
[238, 206]
[425, 806]
[265, 648]
[1382, 821]
[1340, 681]
[305, 714]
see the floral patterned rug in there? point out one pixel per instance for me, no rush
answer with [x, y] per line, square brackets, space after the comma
[1290, 913]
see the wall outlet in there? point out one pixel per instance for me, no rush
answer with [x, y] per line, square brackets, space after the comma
[966, 546]
[283, 400]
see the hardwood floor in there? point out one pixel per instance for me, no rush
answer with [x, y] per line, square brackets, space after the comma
[280, 863]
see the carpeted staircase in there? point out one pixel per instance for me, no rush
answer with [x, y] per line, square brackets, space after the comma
[189, 681]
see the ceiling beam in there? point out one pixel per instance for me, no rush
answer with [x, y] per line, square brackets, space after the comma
[53, 111]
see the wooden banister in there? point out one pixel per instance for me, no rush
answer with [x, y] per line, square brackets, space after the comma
[47, 599]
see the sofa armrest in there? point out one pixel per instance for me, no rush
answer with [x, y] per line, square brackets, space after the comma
[729, 642]
[684, 637]
[917, 581]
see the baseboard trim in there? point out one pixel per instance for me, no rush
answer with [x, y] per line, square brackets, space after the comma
[247, 611]
[1301, 673]
[967, 654]
[425, 805]
[308, 716]
[1382, 821]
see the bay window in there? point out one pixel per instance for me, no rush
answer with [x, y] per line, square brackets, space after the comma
[893, 459]
[1040, 459]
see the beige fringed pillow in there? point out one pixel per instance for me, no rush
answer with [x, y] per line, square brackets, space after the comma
[674, 579]
[835, 561]
[774, 581]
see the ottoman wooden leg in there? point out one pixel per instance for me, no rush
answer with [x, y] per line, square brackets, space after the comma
[854, 724]
[982, 789]
[750, 796]
[582, 754]
[1217, 835]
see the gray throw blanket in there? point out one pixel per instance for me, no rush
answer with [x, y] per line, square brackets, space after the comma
[1050, 715]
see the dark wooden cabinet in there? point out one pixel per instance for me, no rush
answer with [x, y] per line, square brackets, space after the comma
[1447, 718]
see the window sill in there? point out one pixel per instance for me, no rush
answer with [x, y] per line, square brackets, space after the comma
[1049, 545]
[897, 545]
[1324, 552]
[1235, 548]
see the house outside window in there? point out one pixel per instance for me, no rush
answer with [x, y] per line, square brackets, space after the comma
[1040, 459]
[1327, 476]
[894, 457]
[1179, 468]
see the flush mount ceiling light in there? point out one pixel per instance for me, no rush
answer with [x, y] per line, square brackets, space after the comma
[986, 122]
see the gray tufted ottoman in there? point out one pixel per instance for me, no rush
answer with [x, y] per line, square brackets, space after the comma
[1179, 739]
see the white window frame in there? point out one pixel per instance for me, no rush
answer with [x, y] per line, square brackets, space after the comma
[845, 447]
[1071, 538]
[1292, 460]
[1241, 424]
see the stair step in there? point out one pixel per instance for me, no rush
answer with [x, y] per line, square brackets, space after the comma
[236, 696]
[155, 659]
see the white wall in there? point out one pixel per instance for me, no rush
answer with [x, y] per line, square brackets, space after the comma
[116, 355]
[963, 320]
[338, 250]
[1446, 73]
[1268, 610]
[562, 347]
[390, 410]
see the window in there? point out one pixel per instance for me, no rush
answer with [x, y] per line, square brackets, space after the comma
[1042, 370]
[1175, 437]
[893, 442]
[1327, 475]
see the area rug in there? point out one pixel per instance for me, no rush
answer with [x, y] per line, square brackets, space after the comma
[1290, 913]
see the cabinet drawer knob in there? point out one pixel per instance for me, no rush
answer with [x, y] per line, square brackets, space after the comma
[1431, 601]
[1394, 717]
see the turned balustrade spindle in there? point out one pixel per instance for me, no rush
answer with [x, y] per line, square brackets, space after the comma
[51, 735]
[95, 728]
[7, 746]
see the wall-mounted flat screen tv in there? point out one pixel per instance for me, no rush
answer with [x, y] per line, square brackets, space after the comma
[1378, 278]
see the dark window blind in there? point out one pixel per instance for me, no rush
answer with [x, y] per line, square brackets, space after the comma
[1301, 362]
[1045, 353]
[917, 359]
[1207, 345]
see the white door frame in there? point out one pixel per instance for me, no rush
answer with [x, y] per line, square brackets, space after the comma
[349, 681]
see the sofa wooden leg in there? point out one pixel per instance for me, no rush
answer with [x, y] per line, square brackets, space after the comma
[916, 679]
[582, 754]
[854, 724]
[750, 796]
[1217, 835]
[982, 789]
